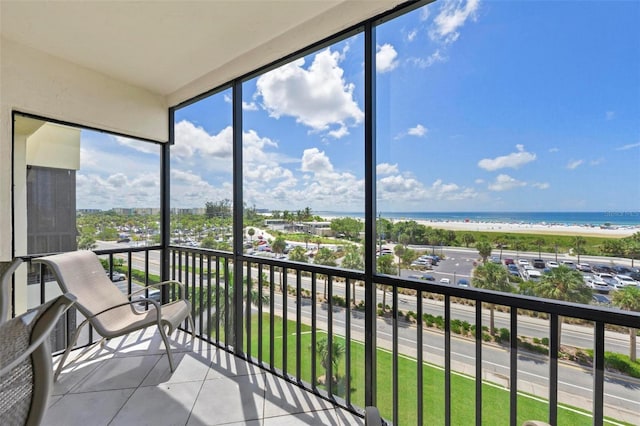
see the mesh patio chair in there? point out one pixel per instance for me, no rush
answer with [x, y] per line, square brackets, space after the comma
[106, 308]
[26, 376]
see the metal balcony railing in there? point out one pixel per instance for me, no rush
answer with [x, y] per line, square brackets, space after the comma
[433, 358]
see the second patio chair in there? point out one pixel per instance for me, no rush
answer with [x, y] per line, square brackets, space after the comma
[106, 308]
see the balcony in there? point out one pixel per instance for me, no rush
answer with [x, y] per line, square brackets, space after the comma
[251, 364]
[129, 382]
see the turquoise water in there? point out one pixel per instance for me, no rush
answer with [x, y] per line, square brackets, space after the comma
[615, 219]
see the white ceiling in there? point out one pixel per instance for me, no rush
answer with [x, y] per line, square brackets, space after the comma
[178, 49]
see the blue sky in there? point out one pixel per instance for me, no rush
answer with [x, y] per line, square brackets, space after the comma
[482, 105]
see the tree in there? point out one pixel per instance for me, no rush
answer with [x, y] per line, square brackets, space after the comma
[564, 283]
[348, 226]
[500, 243]
[491, 276]
[467, 238]
[385, 265]
[251, 232]
[484, 250]
[578, 245]
[328, 258]
[629, 298]
[614, 247]
[298, 254]
[632, 249]
[353, 259]
[278, 245]
[539, 242]
[329, 357]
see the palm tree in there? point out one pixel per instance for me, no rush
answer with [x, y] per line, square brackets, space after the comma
[484, 250]
[251, 232]
[578, 244]
[329, 357]
[539, 242]
[564, 283]
[629, 298]
[500, 243]
[468, 238]
[353, 259]
[385, 265]
[491, 276]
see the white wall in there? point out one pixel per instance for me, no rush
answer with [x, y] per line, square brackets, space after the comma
[40, 84]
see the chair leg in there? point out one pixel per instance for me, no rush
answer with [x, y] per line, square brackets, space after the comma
[67, 351]
[163, 334]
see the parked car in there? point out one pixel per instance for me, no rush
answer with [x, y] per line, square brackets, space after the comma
[608, 278]
[603, 269]
[463, 282]
[154, 294]
[495, 259]
[552, 264]
[583, 267]
[446, 281]
[596, 283]
[625, 280]
[117, 276]
[523, 262]
[601, 299]
[538, 263]
[621, 269]
[568, 264]
[509, 261]
[428, 277]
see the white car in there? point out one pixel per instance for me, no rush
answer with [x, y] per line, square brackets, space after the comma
[608, 278]
[597, 284]
[625, 280]
[552, 264]
[446, 281]
[523, 262]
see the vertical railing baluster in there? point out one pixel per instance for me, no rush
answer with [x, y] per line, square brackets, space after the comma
[347, 343]
[598, 374]
[260, 325]
[329, 365]
[314, 327]
[298, 326]
[513, 367]
[201, 294]
[447, 359]
[285, 341]
[394, 362]
[420, 363]
[554, 350]
[272, 335]
[208, 292]
[248, 308]
[478, 363]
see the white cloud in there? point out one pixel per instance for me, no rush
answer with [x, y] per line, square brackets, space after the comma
[195, 141]
[411, 35]
[541, 185]
[610, 115]
[314, 160]
[574, 164]
[554, 149]
[317, 97]
[628, 146]
[386, 58]
[434, 58]
[504, 183]
[479, 181]
[418, 130]
[596, 162]
[452, 16]
[424, 13]
[514, 160]
[383, 169]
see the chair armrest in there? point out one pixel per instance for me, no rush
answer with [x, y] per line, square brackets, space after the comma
[372, 416]
[57, 307]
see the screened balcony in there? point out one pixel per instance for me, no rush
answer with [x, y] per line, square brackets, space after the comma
[360, 108]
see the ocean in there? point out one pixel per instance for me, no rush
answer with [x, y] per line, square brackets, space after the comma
[613, 219]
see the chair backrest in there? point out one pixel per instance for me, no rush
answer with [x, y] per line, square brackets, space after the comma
[5, 288]
[26, 376]
[81, 274]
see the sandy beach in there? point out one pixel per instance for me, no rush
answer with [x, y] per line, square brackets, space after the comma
[527, 228]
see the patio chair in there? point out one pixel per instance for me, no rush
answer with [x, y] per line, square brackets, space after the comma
[106, 308]
[26, 376]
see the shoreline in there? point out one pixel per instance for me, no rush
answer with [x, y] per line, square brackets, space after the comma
[521, 228]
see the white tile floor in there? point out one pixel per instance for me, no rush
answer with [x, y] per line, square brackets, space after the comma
[128, 382]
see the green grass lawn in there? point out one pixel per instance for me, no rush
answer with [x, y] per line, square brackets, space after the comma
[495, 400]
